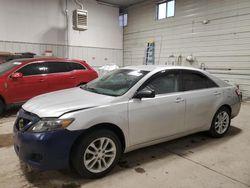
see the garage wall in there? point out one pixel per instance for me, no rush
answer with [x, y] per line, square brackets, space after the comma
[222, 45]
[36, 26]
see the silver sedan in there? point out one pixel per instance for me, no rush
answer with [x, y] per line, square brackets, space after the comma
[124, 110]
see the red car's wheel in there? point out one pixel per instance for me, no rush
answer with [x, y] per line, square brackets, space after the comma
[2, 107]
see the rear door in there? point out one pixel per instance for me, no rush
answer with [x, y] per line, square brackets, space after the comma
[59, 76]
[155, 118]
[33, 83]
[202, 97]
[79, 73]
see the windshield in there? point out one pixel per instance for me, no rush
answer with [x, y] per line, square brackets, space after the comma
[115, 83]
[5, 67]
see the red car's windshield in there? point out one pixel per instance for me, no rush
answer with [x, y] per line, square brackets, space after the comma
[5, 67]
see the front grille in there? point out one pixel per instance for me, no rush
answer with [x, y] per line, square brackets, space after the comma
[25, 120]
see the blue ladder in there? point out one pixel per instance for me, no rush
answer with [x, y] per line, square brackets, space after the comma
[150, 53]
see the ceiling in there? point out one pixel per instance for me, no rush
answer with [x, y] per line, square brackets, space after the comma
[120, 3]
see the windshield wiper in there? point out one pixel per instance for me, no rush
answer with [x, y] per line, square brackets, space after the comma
[85, 87]
[92, 89]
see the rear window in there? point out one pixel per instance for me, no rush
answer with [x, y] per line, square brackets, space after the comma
[76, 66]
[57, 67]
[194, 81]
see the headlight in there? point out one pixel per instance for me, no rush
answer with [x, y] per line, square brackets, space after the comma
[50, 124]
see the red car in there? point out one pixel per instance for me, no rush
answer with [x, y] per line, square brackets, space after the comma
[22, 79]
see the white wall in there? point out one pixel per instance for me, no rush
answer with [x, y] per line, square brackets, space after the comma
[104, 30]
[32, 21]
[222, 45]
[39, 25]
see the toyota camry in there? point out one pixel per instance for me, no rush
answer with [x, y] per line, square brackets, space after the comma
[89, 127]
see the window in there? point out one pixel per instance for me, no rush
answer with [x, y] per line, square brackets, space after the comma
[34, 69]
[165, 9]
[7, 66]
[193, 81]
[57, 67]
[76, 66]
[164, 83]
[162, 10]
[115, 83]
[123, 20]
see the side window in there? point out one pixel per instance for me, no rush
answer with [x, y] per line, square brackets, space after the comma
[194, 81]
[164, 83]
[76, 66]
[34, 69]
[57, 67]
[211, 83]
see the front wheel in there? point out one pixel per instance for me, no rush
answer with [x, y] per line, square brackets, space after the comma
[97, 154]
[2, 107]
[221, 123]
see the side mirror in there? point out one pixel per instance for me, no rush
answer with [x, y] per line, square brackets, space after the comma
[16, 75]
[145, 93]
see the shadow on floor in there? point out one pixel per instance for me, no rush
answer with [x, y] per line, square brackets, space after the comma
[182, 146]
[133, 160]
[10, 112]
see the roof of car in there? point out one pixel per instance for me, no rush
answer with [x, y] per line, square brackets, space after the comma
[159, 67]
[24, 60]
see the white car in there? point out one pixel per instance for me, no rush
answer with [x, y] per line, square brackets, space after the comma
[89, 127]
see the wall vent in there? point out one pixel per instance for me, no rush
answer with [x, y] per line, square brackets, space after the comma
[80, 20]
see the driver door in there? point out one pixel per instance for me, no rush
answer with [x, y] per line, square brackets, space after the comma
[159, 117]
[32, 83]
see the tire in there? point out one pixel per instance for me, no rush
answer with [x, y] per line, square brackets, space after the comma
[2, 107]
[90, 162]
[221, 123]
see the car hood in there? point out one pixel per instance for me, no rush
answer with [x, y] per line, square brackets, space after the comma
[57, 103]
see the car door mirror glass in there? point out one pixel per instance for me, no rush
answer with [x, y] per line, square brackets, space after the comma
[145, 93]
[16, 75]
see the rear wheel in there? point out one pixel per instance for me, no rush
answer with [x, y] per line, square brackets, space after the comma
[221, 123]
[97, 154]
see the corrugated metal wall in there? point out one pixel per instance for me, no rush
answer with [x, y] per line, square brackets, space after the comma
[222, 45]
[93, 55]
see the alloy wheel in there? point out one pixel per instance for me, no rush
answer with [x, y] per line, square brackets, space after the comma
[99, 155]
[222, 122]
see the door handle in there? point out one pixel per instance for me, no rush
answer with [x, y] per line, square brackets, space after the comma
[217, 93]
[179, 99]
[72, 77]
[41, 80]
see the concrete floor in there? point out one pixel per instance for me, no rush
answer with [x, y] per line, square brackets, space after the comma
[193, 161]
